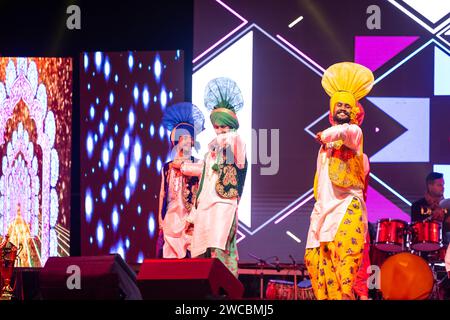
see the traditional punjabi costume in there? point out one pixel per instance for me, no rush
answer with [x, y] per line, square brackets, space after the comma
[222, 177]
[338, 224]
[178, 192]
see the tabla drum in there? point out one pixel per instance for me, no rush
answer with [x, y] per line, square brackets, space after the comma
[280, 290]
[391, 235]
[406, 276]
[305, 291]
[426, 236]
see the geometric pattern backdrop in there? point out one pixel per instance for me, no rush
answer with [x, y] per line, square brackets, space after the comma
[406, 131]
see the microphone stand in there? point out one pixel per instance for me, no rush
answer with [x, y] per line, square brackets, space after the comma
[295, 277]
[261, 264]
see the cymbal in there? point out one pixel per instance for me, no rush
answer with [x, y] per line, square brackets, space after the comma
[445, 203]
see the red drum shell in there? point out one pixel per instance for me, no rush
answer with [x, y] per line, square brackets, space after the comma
[391, 235]
[280, 290]
[426, 236]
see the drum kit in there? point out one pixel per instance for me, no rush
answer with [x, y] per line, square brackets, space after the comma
[397, 236]
[415, 250]
[285, 290]
[278, 289]
[413, 254]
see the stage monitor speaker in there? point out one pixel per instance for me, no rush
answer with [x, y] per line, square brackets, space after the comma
[187, 279]
[89, 277]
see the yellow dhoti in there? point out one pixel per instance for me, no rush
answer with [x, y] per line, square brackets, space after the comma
[334, 265]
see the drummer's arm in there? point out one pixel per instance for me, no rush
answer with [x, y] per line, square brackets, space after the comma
[446, 218]
[438, 214]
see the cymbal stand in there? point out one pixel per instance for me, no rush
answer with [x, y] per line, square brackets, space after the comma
[294, 263]
[261, 264]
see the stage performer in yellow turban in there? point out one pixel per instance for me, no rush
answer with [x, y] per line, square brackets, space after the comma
[338, 224]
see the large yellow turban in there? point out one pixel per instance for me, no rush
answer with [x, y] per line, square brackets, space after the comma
[347, 82]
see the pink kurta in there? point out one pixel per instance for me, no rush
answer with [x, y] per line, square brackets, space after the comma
[176, 241]
[213, 217]
[332, 201]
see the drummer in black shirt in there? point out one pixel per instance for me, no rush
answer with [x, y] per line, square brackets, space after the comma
[427, 208]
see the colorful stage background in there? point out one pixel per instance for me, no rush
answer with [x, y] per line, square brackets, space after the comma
[124, 146]
[283, 49]
[35, 148]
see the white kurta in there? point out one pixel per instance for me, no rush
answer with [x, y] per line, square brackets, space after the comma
[213, 217]
[333, 201]
[176, 241]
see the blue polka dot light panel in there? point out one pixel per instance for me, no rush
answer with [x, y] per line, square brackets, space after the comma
[35, 149]
[124, 147]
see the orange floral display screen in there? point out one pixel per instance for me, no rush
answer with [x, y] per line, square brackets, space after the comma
[35, 150]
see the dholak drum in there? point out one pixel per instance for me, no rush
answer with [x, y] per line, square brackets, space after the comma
[280, 290]
[426, 236]
[406, 276]
[305, 291]
[391, 235]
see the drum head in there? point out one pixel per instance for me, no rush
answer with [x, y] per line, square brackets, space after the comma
[305, 284]
[405, 276]
[426, 246]
[281, 282]
[387, 220]
[388, 247]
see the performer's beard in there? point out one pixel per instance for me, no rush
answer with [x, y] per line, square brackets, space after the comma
[340, 120]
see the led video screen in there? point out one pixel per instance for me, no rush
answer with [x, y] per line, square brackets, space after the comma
[35, 146]
[124, 147]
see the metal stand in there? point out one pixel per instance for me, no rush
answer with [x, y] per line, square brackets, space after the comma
[261, 265]
[436, 293]
[294, 263]
[261, 280]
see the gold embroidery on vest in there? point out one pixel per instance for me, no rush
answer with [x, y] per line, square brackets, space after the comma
[346, 168]
[227, 178]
